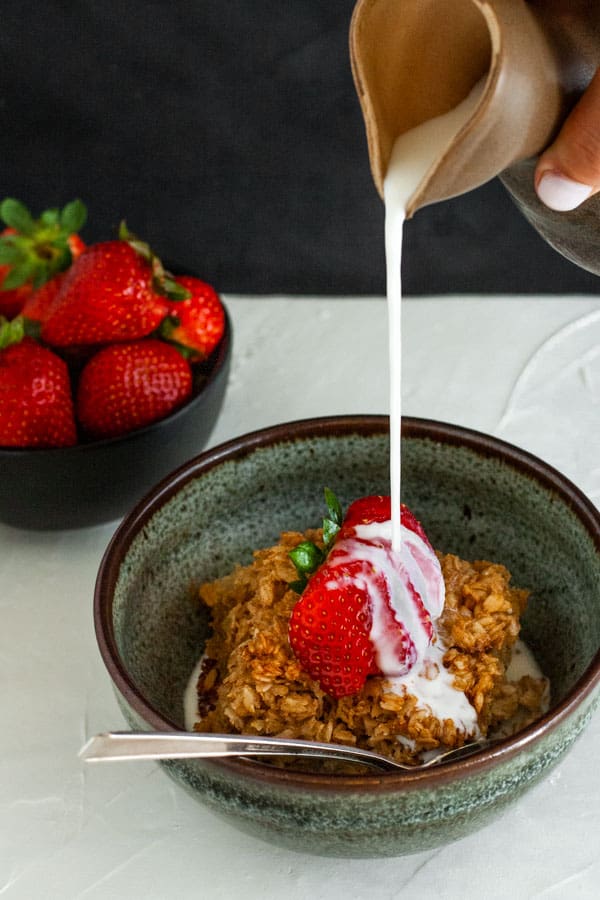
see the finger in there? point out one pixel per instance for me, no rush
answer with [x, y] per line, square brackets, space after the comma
[568, 172]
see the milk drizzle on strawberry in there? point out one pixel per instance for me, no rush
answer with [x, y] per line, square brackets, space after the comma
[395, 580]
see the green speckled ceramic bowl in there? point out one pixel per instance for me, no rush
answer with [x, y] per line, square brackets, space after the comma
[477, 496]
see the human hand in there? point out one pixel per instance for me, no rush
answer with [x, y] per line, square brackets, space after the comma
[568, 172]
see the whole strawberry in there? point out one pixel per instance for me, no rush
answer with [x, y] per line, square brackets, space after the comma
[196, 323]
[366, 609]
[36, 408]
[107, 295]
[129, 385]
[33, 251]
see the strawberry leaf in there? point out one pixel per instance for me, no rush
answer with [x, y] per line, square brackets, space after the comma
[333, 522]
[307, 556]
[9, 252]
[298, 586]
[11, 332]
[168, 325]
[20, 274]
[187, 352]
[124, 233]
[73, 216]
[163, 282]
[42, 273]
[50, 217]
[330, 529]
[334, 506]
[166, 285]
[140, 247]
[16, 215]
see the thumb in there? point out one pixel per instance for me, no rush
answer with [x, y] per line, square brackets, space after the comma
[568, 172]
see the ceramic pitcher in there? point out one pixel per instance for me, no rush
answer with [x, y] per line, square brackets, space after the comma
[416, 59]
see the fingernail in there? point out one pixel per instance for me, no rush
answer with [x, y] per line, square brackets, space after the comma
[560, 193]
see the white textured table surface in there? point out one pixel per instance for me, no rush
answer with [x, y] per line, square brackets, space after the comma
[525, 369]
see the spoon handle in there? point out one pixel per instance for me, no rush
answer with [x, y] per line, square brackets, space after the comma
[119, 746]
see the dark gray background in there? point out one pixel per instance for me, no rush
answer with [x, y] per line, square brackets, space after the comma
[229, 135]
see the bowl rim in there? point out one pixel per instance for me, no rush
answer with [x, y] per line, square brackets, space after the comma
[484, 445]
[214, 363]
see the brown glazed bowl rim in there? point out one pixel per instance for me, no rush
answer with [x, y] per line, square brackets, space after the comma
[484, 445]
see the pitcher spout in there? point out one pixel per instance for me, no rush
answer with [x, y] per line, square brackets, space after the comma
[414, 60]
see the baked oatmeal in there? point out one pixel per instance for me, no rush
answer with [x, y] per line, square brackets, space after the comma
[251, 682]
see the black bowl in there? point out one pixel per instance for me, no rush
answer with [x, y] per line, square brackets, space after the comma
[99, 481]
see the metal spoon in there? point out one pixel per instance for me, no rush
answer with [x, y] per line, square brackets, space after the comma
[126, 745]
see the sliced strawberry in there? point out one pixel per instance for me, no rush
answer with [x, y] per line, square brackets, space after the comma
[393, 616]
[417, 565]
[329, 633]
[412, 523]
[198, 322]
[344, 627]
[129, 385]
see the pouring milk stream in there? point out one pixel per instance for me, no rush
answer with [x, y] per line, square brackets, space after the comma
[413, 154]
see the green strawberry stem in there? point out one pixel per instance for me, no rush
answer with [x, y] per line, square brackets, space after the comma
[333, 522]
[307, 556]
[39, 249]
[14, 330]
[165, 332]
[11, 332]
[163, 282]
